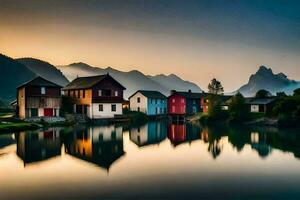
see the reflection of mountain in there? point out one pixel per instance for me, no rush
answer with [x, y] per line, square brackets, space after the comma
[99, 145]
[151, 133]
[38, 146]
[181, 133]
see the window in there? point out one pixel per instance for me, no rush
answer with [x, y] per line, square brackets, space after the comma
[116, 93]
[173, 109]
[113, 107]
[182, 100]
[43, 90]
[173, 100]
[138, 99]
[113, 135]
[99, 93]
[100, 107]
[34, 112]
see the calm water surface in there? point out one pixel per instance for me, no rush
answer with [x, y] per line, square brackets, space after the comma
[156, 160]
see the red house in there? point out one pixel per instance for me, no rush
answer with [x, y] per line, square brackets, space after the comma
[185, 103]
[177, 133]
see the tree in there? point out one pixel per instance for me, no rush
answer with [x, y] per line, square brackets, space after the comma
[281, 94]
[261, 94]
[297, 92]
[67, 104]
[215, 87]
[237, 108]
[215, 111]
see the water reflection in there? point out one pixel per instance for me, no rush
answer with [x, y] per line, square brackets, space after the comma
[148, 134]
[103, 145]
[182, 133]
[98, 145]
[6, 140]
[37, 146]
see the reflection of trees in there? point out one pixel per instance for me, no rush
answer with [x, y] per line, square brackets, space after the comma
[215, 148]
[212, 136]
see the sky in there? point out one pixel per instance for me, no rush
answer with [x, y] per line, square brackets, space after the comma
[195, 39]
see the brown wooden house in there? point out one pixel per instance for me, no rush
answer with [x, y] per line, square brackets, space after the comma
[38, 98]
[96, 96]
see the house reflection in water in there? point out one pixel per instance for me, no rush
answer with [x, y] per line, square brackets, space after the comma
[35, 146]
[260, 144]
[148, 134]
[181, 133]
[99, 145]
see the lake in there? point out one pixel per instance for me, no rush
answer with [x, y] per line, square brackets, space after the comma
[155, 161]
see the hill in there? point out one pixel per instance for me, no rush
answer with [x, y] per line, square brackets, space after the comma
[133, 80]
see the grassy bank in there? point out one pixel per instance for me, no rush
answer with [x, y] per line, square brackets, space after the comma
[17, 126]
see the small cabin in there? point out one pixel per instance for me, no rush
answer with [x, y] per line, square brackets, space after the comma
[38, 98]
[149, 102]
[264, 105]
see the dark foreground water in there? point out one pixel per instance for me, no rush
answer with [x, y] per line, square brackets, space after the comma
[154, 161]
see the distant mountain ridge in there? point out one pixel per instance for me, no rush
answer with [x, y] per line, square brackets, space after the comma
[264, 78]
[12, 75]
[14, 72]
[133, 80]
[45, 70]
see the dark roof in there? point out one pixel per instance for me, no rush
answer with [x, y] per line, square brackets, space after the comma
[263, 101]
[89, 82]
[39, 81]
[190, 95]
[150, 94]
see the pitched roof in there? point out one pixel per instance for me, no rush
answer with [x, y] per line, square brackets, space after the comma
[263, 101]
[190, 95]
[88, 82]
[150, 94]
[39, 81]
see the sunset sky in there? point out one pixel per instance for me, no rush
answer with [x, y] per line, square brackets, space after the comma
[197, 40]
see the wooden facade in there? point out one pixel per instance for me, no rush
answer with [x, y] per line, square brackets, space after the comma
[96, 96]
[38, 98]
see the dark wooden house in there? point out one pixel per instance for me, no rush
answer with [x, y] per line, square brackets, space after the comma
[38, 98]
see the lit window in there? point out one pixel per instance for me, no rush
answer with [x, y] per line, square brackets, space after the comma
[99, 93]
[173, 100]
[116, 93]
[43, 90]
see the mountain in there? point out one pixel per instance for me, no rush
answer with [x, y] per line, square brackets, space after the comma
[12, 74]
[173, 81]
[132, 80]
[45, 70]
[264, 78]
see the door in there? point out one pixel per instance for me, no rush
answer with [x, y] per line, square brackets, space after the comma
[48, 112]
[34, 112]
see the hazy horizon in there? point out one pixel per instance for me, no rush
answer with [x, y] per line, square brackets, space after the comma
[196, 40]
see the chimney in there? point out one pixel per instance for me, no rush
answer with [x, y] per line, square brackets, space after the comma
[173, 92]
[190, 91]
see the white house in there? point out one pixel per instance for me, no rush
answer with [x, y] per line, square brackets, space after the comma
[148, 102]
[98, 96]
